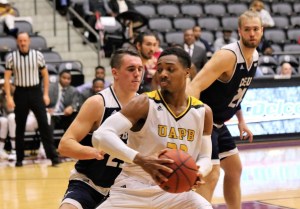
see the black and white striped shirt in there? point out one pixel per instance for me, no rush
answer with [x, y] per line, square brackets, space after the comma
[25, 67]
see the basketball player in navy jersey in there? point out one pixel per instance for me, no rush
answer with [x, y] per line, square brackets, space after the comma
[94, 173]
[223, 82]
[157, 120]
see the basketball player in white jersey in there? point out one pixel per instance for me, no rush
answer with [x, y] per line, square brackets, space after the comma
[223, 83]
[94, 173]
[157, 120]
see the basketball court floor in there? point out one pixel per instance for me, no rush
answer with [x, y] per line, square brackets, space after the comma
[270, 180]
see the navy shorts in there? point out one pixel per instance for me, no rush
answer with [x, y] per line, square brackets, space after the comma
[223, 144]
[80, 193]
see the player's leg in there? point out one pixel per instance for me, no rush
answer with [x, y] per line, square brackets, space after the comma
[211, 180]
[232, 166]
[129, 192]
[186, 200]
[80, 195]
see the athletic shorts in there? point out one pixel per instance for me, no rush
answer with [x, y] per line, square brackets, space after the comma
[129, 192]
[82, 195]
[223, 144]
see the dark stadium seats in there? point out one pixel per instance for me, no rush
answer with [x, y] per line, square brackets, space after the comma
[174, 38]
[236, 9]
[230, 22]
[183, 23]
[209, 23]
[7, 43]
[295, 21]
[281, 22]
[282, 8]
[293, 34]
[38, 42]
[277, 36]
[215, 10]
[208, 36]
[161, 24]
[192, 10]
[268, 61]
[24, 26]
[147, 10]
[288, 58]
[168, 10]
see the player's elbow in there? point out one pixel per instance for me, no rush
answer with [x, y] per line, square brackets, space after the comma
[99, 138]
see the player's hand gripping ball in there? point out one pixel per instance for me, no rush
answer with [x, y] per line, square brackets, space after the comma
[184, 173]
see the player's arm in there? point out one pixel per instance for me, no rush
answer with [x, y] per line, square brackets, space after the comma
[219, 66]
[7, 88]
[245, 132]
[45, 75]
[86, 120]
[106, 138]
[204, 157]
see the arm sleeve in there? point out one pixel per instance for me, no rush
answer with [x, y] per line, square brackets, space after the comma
[106, 138]
[204, 158]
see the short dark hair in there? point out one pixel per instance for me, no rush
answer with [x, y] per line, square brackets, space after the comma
[183, 57]
[140, 37]
[64, 71]
[99, 66]
[98, 79]
[117, 56]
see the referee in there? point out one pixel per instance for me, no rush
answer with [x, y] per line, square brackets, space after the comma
[26, 64]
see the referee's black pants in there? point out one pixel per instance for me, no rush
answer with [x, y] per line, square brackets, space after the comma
[31, 98]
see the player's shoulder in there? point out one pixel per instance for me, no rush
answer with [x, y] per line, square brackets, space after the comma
[154, 96]
[195, 103]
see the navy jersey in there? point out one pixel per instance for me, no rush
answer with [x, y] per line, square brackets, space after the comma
[225, 98]
[103, 172]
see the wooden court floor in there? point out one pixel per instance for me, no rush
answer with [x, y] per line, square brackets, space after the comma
[270, 180]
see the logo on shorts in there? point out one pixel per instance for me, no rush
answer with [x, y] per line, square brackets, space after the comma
[123, 186]
[159, 108]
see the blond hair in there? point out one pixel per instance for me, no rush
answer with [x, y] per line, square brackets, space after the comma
[248, 14]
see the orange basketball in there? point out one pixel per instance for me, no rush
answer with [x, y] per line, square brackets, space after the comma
[184, 171]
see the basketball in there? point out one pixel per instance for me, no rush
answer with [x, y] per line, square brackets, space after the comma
[184, 171]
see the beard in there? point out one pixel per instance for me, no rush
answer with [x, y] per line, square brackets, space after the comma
[249, 44]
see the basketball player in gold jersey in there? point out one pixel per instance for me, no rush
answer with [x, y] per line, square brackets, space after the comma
[161, 119]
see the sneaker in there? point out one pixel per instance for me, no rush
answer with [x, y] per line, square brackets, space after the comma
[55, 162]
[41, 154]
[3, 155]
[12, 156]
[19, 164]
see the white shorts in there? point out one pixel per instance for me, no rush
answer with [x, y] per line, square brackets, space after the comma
[128, 192]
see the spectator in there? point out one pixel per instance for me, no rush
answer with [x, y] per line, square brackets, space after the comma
[98, 85]
[265, 47]
[285, 70]
[200, 41]
[258, 6]
[28, 95]
[197, 53]
[7, 15]
[145, 43]
[3, 127]
[64, 101]
[116, 7]
[31, 125]
[99, 73]
[224, 40]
